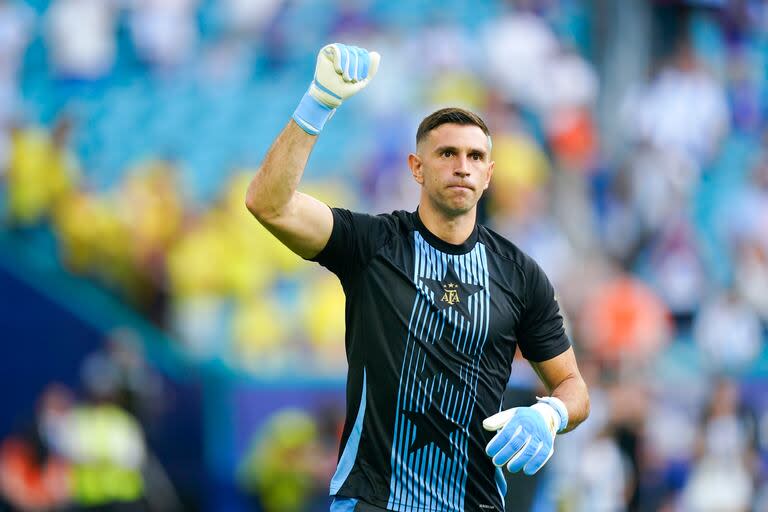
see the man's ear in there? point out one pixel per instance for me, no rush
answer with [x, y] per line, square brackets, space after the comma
[414, 162]
[490, 173]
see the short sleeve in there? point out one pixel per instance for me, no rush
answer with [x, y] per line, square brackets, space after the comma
[541, 335]
[354, 240]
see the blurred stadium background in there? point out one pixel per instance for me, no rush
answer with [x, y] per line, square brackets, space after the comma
[161, 352]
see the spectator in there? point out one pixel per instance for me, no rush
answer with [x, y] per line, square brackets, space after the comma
[604, 476]
[623, 321]
[120, 371]
[106, 448]
[747, 232]
[248, 18]
[519, 203]
[728, 332]
[81, 38]
[677, 270]
[34, 473]
[519, 46]
[17, 25]
[284, 462]
[683, 111]
[42, 172]
[722, 475]
[164, 31]
[565, 98]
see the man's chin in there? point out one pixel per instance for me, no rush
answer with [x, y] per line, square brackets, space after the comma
[457, 208]
[454, 206]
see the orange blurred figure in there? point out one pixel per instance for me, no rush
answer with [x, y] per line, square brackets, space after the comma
[622, 319]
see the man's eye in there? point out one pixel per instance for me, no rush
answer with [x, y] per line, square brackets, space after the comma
[447, 153]
[477, 156]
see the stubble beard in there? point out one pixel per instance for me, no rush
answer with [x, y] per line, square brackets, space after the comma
[450, 209]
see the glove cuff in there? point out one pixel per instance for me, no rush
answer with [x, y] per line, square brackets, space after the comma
[311, 114]
[559, 407]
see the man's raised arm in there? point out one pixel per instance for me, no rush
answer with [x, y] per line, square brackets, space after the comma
[301, 222]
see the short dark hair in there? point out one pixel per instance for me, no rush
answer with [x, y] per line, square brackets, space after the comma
[453, 115]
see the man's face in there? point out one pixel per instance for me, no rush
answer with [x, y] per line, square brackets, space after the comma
[453, 165]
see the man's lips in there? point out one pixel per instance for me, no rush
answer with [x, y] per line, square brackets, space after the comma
[461, 186]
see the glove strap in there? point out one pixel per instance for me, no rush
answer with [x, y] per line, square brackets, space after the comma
[559, 408]
[311, 115]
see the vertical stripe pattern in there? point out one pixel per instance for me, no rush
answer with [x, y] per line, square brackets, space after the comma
[427, 478]
[349, 455]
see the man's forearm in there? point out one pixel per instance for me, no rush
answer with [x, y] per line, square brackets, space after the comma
[276, 181]
[573, 393]
[539, 423]
[341, 71]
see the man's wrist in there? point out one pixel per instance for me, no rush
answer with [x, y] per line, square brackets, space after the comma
[559, 409]
[311, 114]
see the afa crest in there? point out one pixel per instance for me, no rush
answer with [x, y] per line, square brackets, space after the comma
[451, 294]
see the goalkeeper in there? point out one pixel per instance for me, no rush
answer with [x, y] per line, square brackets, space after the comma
[436, 305]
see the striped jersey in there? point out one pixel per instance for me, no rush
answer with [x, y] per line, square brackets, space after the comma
[431, 330]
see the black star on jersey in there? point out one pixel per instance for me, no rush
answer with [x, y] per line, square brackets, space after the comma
[452, 291]
[445, 360]
[432, 426]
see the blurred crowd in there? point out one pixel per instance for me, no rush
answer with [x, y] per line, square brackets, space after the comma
[657, 243]
[86, 449]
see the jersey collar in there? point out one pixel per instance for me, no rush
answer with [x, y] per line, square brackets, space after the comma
[440, 244]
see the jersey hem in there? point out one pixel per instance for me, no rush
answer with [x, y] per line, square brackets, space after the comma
[385, 504]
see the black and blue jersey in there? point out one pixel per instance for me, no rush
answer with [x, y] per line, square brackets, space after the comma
[431, 332]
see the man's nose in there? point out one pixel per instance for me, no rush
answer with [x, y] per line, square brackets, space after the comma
[462, 167]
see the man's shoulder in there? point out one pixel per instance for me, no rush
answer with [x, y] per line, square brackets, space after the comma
[503, 248]
[377, 226]
[397, 216]
[397, 221]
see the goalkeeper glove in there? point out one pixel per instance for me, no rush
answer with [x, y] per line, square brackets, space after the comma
[341, 72]
[526, 435]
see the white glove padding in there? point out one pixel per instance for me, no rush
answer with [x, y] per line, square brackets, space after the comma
[341, 72]
[526, 435]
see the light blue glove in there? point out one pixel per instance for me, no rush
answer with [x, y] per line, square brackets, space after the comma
[341, 72]
[526, 435]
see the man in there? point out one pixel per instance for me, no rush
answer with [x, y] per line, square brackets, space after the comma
[436, 305]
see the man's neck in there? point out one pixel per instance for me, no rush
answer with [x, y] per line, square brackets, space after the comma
[454, 230]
